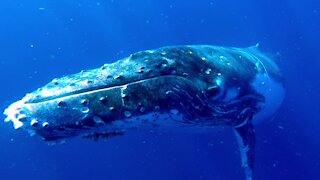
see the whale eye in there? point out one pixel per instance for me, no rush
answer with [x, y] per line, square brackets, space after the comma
[213, 91]
[217, 89]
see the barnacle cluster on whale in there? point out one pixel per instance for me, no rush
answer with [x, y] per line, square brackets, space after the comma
[177, 86]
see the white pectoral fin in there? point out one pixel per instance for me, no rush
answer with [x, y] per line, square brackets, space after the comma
[246, 139]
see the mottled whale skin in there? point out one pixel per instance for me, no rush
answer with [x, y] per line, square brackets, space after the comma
[176, 86]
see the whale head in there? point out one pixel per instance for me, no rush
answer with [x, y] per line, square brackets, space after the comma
[191, 85]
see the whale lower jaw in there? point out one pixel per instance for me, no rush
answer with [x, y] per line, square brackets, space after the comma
[85, 112]
[169, 120]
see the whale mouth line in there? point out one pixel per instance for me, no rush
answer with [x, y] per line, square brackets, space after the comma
[96, 89]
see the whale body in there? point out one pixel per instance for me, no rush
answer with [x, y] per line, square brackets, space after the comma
[174, 86]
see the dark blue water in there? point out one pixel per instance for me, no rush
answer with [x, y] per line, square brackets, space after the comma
[41, 40]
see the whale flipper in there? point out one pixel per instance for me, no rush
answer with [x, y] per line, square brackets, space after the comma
[246, 139]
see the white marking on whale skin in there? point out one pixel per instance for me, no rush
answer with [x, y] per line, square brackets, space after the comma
[13, 112]
[273, 93]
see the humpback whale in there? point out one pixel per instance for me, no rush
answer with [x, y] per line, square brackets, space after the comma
[174, 86]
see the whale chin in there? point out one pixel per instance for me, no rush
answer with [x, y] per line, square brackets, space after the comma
[274, 93]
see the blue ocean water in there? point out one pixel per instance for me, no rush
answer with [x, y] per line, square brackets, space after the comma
[41, 40]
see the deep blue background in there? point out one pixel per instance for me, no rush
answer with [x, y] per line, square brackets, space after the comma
[40, 40]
